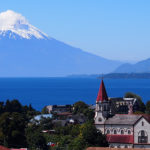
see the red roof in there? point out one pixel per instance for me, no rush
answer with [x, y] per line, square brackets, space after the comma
[102, 95]
[3, 148]
[120, 139]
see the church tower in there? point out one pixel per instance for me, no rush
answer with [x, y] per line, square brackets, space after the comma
[103, 109]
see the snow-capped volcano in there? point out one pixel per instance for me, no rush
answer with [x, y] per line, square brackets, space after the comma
[27, 52]
[12, 24]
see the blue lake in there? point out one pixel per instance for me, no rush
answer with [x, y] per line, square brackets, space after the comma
[45, 91]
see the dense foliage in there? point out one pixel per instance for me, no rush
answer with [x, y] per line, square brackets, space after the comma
[81, 107]
[14, 119]
[19, 129]
[77, 137]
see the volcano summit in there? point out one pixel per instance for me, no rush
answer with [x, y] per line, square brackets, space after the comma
[16, 23]
[25, 51]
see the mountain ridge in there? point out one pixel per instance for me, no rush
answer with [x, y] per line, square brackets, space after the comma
[139, 67]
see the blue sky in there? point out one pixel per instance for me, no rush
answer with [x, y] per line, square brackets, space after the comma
[114, 29]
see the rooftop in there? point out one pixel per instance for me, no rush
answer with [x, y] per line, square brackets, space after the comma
[123, 119]
[126, 139]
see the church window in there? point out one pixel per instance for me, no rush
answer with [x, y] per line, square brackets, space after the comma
[142, 123]
[115, 132]
[142, 137]
[129, 132]
[122, 132]
[99, 119]
[108, 132]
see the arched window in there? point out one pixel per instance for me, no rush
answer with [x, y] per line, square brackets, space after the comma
[107, 131]
[115, 132]
[142, 123]
[122, 132]
[142, 137]
[129, 132]
[99, 119]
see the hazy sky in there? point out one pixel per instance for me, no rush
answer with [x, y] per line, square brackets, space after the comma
[114, 29]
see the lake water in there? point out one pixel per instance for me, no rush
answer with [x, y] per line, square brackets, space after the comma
[46, 91]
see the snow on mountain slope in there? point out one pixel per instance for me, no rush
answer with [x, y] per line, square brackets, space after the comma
[16, 23]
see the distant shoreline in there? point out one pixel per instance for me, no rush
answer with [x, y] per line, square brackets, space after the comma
[115, 76]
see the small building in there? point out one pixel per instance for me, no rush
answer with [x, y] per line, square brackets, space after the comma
[64, 119]
[59, 108]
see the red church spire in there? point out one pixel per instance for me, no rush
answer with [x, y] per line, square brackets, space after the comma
[102, 95]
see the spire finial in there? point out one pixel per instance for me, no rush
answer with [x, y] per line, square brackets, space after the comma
[101, 76]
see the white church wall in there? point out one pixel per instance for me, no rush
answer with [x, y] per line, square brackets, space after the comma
[100, 127]
[141, 126]
[118, 129]
[99, 121]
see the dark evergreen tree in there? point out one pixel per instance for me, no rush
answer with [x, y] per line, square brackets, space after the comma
[148, 107]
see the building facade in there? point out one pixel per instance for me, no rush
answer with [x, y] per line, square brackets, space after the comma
[123, 129]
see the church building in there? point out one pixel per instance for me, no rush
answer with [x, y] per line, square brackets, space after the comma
[115, 117]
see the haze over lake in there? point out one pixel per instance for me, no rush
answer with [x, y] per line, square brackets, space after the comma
[45, 91]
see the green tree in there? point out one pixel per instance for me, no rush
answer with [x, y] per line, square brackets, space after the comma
[46, 123]
[92, 136]
[139, 99]
[148, 107]
[79, 107]
[13, 106]
[45, 110]
[35, 138]
[12, 131]
[75, 130]
[77, 144]
[64, 142]
[89, 113]
[1, 107]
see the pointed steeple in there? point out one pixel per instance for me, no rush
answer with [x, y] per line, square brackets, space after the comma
[102, 95]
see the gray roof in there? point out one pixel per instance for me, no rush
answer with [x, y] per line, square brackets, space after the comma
[123, 119]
